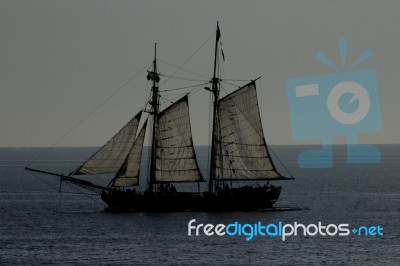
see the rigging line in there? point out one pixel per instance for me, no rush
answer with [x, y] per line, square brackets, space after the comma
[193, 92]
[279, 160]
[235, 85]
[202, 84]
[184, 69]
[166, 100]
[261, 99]
[196, 89]
[47, 183]
[209, 135]
[182, 78]
[244, 80]
[86, 195]
[90, 113]
[182, 93]
[190, 57]
[177, 97]
[79, 192]
[56, 189]
[221, 86]
[228, 83]
[190, 93]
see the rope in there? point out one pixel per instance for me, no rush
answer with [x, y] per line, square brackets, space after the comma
[190, 93]
[241, 80]
[86, 195]
[48, 184]
[234, 85]
[223, 88]
[261, 99]
[89, 114]
[279, 160]
[74, 187]
[187, 60]
[210, 108]
[181, 78]
[202, 84]
[181, 68]
[194, 91]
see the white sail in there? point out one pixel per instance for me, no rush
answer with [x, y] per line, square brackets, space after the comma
[128, 175]
[240, 151]
[175, 156]
[110, 157]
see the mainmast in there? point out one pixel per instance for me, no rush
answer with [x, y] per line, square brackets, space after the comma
[215, 91]
[153, 75]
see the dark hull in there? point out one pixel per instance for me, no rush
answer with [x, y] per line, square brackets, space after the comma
[237, 199]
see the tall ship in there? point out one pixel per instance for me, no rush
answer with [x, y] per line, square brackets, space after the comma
[240, 166]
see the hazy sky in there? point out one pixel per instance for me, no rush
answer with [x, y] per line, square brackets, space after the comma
[59, 60]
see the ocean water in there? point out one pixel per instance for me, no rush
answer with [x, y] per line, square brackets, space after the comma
[39, 225]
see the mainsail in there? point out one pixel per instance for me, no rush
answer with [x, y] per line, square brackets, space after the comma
[175, 155]
[128, 175]
[110, 157]
[240, 151]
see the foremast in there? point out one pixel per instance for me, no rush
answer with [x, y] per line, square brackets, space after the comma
[154, 76]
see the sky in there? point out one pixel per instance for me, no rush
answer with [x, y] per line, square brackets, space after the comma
[72, 73]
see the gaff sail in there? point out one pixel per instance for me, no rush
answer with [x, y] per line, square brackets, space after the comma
[240, 150]
[175, 155]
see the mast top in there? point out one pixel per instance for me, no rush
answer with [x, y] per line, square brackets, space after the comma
[155, 52]
[153, 75]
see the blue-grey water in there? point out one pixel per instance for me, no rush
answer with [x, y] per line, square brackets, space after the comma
[39, 225]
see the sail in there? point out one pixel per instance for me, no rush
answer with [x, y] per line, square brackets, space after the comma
[175, 156]
[128, 175]
[110, 157]
[240, 151]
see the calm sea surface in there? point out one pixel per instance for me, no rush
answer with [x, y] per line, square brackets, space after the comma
[39, 225]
